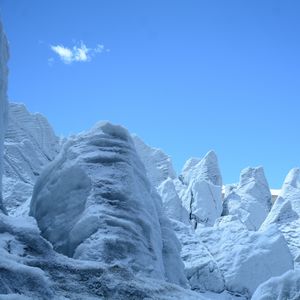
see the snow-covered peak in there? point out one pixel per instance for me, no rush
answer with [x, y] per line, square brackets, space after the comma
[292, 180]
[253, 182]
[158, 165]
[290, 192]
[250, 174]
[200, 189]
[251, 199]
[206, 169]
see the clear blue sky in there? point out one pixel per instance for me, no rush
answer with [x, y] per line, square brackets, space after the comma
[186, 76]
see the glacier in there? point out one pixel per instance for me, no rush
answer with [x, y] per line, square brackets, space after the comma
[94, 202]
[103, 215]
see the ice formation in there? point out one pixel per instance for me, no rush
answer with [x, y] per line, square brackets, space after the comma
[200, 189]
[110, 219]
[94, 202]
[246, 258]
[286, 211]
[31, 269]
[158, 165]
[3, 99]
[171, 202]
[201, 269]
[30, 144]
[286, 286]
[251, 199]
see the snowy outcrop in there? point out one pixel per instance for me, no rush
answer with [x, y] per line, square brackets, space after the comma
[200, 189]
[94, 202]
[286, 211]
[30, 144]
[250, 200]
[158, 165]
[246, 258]
[3, 99]
[283, 287]
[201, 268]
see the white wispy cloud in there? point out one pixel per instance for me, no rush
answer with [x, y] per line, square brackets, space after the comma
[79, 53]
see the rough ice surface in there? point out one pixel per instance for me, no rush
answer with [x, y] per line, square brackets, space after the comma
[31, 269]
[246, 258]
[3, 99]
[20, 244]
[30, 144]
[285, 287]
[201, 268]
[286, 211]
[158, 165]
[94, 202]
[201, 189]
[250, 200]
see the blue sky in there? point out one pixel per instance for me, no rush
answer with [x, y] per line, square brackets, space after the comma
[186, 76]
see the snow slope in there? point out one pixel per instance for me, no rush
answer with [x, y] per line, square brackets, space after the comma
[94, 202]
[3, 99]
[30, 144]
[251, 199]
